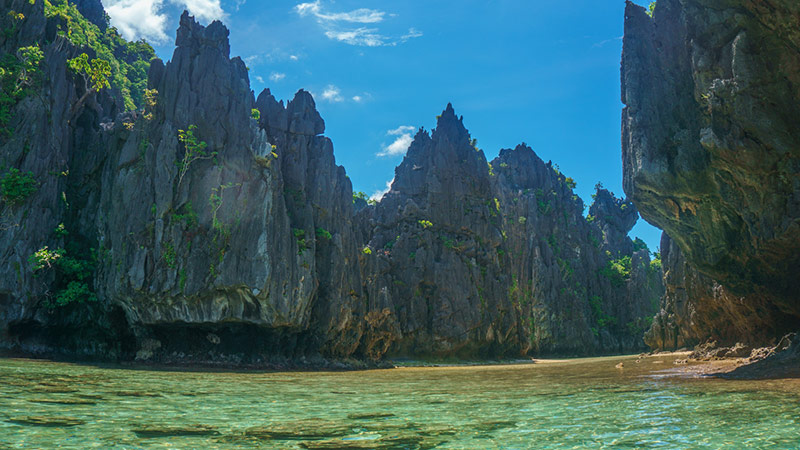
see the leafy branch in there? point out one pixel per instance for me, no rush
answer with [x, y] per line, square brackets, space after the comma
[195, 150]
[95, 77]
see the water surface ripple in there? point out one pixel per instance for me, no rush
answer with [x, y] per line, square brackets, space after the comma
[585, 403]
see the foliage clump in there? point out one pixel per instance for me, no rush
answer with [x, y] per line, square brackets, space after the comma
[128, 61]
[73, 272]
[95, 75]
[17, 186]
[323, 234]
[19, 75]
[617, 270]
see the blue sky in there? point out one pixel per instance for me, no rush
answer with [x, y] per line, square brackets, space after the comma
[541, 72]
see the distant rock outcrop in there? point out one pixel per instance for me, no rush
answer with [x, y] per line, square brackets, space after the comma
[711, 153]
[211, 226]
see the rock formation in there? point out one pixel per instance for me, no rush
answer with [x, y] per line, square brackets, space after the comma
[711, 154]
[207, 225]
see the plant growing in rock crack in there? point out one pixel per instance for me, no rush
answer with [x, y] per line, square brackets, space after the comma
[650, 9]
[150, 102]
[95, 74]
[194, 150]
[215, 202]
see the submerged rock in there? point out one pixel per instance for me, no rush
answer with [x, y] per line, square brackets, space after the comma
[47, 421]
[158, 431]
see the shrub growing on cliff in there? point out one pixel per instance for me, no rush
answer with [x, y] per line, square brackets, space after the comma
[73, 274]
[18, 74]
[651, 8]
[95, 74]
[128, 61]
[16, 186]
[617, 270]
[323, 234]
[194, 150]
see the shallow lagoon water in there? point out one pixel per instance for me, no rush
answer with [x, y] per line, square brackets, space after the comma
[582, 403]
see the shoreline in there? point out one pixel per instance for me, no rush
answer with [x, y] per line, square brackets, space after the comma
[683, 365]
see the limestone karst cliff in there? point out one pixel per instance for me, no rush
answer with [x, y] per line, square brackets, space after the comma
[711, 154]
[207, 224]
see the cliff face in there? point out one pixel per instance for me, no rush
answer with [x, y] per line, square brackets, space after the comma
[213, 226]
[497, 259]
[711, 154]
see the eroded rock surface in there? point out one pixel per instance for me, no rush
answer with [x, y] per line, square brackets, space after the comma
[711, 154]
[214, 227]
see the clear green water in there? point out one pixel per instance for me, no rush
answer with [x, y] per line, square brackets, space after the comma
[576, 404]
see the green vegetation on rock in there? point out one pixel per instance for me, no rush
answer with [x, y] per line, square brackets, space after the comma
[128, 61]
[617, 270]
[195, 150]
[16, 186]
[19, 75]
[73, 273]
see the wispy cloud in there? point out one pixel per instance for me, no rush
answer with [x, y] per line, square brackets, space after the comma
[367, 37]
[259, 79]
[401, 143]
[361, 15]
[137, 19]
[336, 26]
[332, 94]
[277, 76]
[378, 195]
[412, 33]
[606, 41]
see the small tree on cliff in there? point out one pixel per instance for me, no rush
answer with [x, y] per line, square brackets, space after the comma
[95, 77]
[195, 149]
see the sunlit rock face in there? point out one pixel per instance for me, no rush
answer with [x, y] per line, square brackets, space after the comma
[473, 258]
[220, 229]
[711, 154]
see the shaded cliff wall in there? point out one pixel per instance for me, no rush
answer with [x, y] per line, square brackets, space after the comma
[711, 154]
[255, 249]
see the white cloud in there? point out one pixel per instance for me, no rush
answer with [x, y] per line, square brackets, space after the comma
[137, 19]
[332, 94]
[293, 57]
[400, 145]
[277, 76]
[412, 33]
[402, 129]
[367, 37]
[378, 195]
[206, 10]
[332, 23]
[259, 79]
[361, 15]
[357, 98]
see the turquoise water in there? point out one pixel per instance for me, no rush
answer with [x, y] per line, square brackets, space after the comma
[586, 403]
